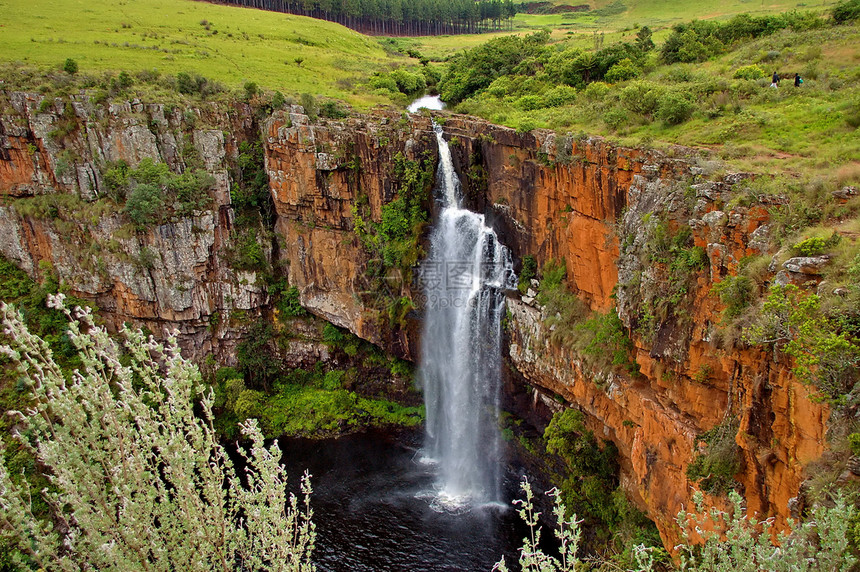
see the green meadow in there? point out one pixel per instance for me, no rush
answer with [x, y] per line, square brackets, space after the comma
[231, 45]
[614, 20]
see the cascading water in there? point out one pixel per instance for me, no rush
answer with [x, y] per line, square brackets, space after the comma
[465, 278]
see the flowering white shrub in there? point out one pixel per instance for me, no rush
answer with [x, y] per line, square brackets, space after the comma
[138, 478]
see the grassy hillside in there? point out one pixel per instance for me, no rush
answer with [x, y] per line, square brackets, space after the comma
[292, 54]
[612, 18]
[723, 103]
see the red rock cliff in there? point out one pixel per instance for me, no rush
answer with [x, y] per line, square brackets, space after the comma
[553, 198]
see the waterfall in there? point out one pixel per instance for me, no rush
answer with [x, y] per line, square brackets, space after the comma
[465, 278]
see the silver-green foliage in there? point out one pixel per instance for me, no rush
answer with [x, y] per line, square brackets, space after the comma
[713, 540]
[738, 543]
[567, 532]
[139, 480]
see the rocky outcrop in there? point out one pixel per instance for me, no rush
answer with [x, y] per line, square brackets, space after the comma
[318, 175]
[594, 205]
[55, 217]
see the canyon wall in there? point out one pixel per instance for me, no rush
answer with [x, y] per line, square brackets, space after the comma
[585, 201]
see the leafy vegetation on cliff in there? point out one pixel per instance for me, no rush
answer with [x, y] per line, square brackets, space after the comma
[393, 244]
[597, 338]
[355, 392]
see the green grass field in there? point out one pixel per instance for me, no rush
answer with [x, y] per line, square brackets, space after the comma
[227, 44]
[617, 18]
[808, 131]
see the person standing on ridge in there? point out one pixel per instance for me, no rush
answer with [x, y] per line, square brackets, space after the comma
[797, 80]
[775, 81]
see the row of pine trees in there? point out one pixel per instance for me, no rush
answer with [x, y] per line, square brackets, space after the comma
[399, 17]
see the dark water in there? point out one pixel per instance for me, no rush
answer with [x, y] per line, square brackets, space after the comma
[370, 517]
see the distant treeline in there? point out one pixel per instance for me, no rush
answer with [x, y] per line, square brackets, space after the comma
[399, 17]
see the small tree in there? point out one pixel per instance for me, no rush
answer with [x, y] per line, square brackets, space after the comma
[138, 478]
[70, 67]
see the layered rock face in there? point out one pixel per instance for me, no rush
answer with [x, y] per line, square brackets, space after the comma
[319, 175]
[584, 201]
[172, 276]
[571, 200]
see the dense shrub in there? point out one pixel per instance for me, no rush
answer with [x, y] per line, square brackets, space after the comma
[736, 292]
[409, 82]
[573, 66]
[815, 245]
[475, 69]
[195, 84]
[332, 110]
[622, 71]
[846, 11]
[531, 102]
[615, 118]
[699, 40]
[527, 272]
[674, 107]
[749, 72]
[151, 188]
[559, 95]
[70, 66]
[384, 81]
[145, 204]
[716, 467]
[592, 469]
[641, 97]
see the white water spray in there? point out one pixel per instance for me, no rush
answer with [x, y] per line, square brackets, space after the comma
[465, 278]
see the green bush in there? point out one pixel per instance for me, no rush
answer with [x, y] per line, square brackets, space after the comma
[622, 71]
[332, 110]
[278, 100]
[145, 205]
[715, 469]
[846, 11]
[674, 107]
[70, 66]
[641, 97]
[247, 252]
[815, 245]
[290, 304]
[736, 292]
[408, 82]
[384, 81]
[432, 75]
[824, 353]
[191, 190]
[591, 476]
[195, 84]
[749, 72]
[554, 272]
[527, 272]
[309, 104]
[474, 70]
[596, 91]
[531, 102]
[615, 118]
[559, 95]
